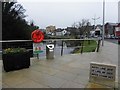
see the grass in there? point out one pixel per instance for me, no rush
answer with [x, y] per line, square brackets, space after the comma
[88, 46]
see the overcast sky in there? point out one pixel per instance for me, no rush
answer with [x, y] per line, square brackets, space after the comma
[64, 13]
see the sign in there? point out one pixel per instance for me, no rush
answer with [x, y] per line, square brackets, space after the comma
[37, 48]
[102, 71]
[64, 32]
[37, 36]
[51, 47]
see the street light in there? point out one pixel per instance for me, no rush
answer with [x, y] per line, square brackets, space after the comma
[95, 21]
[103, 23]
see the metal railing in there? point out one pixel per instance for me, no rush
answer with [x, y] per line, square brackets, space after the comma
[82, 44]
[28, 44]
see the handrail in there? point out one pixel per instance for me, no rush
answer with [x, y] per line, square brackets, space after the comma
[96, 39]
[51, 40]
[15, 40]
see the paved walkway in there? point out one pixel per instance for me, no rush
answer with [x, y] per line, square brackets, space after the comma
[68, 71]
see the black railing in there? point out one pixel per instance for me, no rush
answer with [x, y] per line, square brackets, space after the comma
[81, 41]
[28, 44]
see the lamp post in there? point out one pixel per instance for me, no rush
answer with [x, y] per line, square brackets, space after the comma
[95, 21]
[103, 23]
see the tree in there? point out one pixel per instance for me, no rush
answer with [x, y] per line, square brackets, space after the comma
[14, 25]
[83, 27]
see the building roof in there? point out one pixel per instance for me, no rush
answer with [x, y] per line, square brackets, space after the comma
[59, 30]
[112, 24]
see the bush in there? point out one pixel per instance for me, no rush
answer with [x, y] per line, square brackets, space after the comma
[14, 50]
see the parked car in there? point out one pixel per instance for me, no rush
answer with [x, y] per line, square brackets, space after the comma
[112, 37]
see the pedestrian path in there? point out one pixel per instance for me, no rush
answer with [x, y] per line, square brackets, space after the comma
[67, 71]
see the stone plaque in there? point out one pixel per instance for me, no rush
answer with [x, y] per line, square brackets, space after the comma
[102, 71]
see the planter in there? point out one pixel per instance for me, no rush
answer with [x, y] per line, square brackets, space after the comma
[16, 61]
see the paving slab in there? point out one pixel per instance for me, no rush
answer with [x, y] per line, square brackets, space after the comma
[94, 85]
[70, 84]
[67, 71]
[66, 75]
[30, 84]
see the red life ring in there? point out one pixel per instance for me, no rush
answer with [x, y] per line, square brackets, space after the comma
[37, 36]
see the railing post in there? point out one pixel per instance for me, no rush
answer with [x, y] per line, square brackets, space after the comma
[89, 42]
[82, 47]
[98, 45]
[62, 49]
[37, 56]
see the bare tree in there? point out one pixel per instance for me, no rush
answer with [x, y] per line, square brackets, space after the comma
[83, 27]
[74, 25]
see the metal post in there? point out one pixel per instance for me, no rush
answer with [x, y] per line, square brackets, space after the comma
[103, 23]
[82, 47]
[62, 49]
[37, 56]
[89, 42]
[98, 45]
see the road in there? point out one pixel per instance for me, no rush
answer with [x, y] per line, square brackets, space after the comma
[112, 40]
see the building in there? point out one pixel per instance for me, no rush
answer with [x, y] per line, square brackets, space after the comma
[71, 30]
[119, 12]
[117, 31]
[59, 32]
[97, 32]
[64, 32]
[110, 29]
[51, 30]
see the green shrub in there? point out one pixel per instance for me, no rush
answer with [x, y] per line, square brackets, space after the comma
[14, 50]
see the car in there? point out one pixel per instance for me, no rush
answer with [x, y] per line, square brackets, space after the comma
[116, 37]
[112, 37]
[119, 41]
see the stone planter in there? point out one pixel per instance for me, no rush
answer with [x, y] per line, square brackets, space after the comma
[16, 61]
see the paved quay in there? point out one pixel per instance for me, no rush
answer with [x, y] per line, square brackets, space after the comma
[67, 71]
